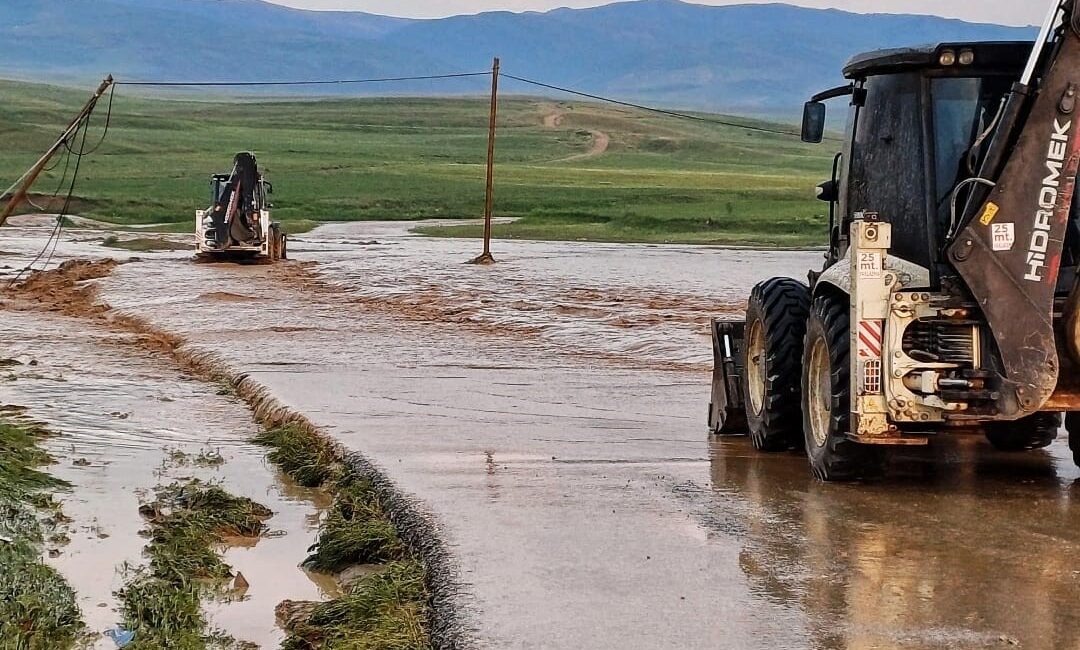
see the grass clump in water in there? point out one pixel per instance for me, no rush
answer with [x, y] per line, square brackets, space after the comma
[384, 611]
[306, 458]
[188, 521]
[387, 610]
[207, 457]
[356, 531]
[38, 609]
[20, 456]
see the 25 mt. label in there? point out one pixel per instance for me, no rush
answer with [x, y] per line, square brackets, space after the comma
[1003, 236]
[870, 266]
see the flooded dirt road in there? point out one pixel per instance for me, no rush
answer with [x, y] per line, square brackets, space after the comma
[548, 412]
[642, 304]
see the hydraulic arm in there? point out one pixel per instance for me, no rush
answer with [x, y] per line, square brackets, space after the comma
[235, 212]
[1009, 242]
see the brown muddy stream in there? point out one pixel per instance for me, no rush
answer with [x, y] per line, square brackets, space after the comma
[645, 304]
[640, 303]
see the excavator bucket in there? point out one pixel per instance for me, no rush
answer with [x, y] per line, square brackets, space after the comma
[727, 414]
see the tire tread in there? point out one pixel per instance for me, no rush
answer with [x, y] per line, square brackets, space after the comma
[1036, 431]
[784, 304]
[841, 459]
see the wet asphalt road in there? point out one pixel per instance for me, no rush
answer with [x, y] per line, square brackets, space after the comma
[573, 480]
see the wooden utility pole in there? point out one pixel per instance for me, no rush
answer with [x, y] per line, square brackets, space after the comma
[489, 198]
[21, 188]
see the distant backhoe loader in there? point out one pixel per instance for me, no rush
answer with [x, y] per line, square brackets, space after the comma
[237, 226]
[950, 297]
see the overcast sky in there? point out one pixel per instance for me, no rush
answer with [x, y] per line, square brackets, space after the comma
[1012, 12]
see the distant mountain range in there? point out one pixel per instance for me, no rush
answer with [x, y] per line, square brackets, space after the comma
[751, 58]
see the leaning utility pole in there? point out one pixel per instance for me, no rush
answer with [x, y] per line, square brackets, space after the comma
[16, 194]
[489, 198]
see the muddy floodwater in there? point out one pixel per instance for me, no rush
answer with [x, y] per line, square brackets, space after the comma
[127, 423]
[640, 303]
[548, 412]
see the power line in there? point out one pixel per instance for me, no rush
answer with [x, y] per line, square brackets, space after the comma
[108, 122]
[460, 75]
[53, 241]
[66, 159]
[650, 109]
[71, 188]
[328, 82]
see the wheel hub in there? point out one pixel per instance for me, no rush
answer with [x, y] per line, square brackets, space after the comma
[755, 367]
[819, 392]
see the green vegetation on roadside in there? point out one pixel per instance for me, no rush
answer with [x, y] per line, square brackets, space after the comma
[356, 531]
[387, 610]
[384, 611]
[659, 179]
[307, 459]
[38, 609]
[162, 602]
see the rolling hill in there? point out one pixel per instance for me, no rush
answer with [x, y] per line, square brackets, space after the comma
[570, 170]
[751, 58]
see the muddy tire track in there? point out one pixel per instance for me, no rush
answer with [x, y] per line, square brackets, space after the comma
[68, 290]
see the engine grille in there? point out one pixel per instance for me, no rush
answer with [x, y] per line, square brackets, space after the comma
[940, 342]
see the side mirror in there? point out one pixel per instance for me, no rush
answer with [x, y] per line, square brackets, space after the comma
[813, 122]
[829, 191]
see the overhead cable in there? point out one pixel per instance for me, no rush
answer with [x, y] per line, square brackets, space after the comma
[320, 82]
[651, 109]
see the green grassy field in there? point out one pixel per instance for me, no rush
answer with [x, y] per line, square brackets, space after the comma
[660, 178]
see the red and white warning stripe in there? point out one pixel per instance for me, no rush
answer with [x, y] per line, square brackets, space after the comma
[871, 338]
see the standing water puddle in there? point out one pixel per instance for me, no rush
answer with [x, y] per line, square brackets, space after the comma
[127, 422]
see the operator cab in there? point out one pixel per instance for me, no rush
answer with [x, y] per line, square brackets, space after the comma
[257, 200]
[217, 187]
[920, 120]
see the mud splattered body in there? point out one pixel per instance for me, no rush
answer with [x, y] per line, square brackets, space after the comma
[564, 458]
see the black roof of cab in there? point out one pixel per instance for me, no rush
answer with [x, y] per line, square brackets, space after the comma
[1005, 57]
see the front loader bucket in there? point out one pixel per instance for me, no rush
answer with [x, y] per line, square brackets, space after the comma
[727, 414]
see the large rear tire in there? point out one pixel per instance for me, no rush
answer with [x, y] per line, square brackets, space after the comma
[826, 397]
[275, 249]
[775, 327]
[1072, 424]
[1033, 432]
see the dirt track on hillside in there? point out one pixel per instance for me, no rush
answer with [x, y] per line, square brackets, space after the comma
[600, 141]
